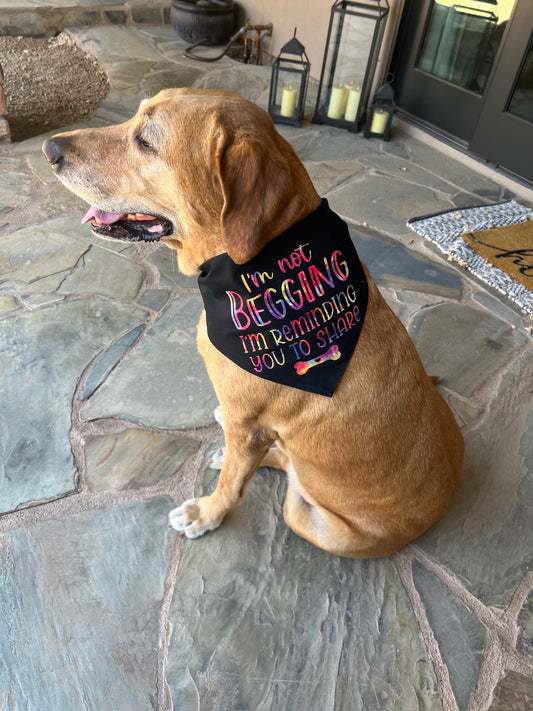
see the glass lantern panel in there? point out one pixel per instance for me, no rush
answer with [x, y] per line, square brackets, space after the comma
[288, 89]
[350, 58]
[352, 36]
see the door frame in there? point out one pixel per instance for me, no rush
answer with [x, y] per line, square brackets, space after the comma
[513, 134]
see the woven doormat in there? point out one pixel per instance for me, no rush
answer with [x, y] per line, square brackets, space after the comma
[446, 230]
[510, 248]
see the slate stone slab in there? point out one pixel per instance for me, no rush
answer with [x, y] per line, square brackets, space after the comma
[486, 536]
[263, 620]
[327, 175]
[392, 265]
[454, 172]
[24, 23]
[123, 75]
[447, 336]
[33, 261]
[326, 143]
[115, 17]
[79, 18]
[15, 184]
[246, 80]
[154, 298]
[406, 171]
[103, 365]
[43, 354]
[383, 202]
[513, 693]
[111, 43]
[71, 227]
[499, 309]
[164, 35]
[97, 272]
[134, 459]
[165, 260]
[163, 382]
[7, 305]
[80, 600]
[64, 256]
[460, 635]
[170, 78]
[119, 106]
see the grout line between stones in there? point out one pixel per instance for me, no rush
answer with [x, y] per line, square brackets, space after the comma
[164, 699]
[500, 651]
[403, 563]
[489, 618]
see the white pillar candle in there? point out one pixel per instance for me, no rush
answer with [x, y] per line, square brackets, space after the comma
[288, 102]
[354, 97]
[337, 102]
[379, 121]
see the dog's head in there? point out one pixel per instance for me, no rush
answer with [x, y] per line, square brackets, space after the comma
[204, 172]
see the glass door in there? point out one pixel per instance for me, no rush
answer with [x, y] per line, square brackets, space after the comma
[464, 68]
[460, 43]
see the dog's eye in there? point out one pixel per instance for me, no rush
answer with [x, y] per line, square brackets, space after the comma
[142, 143]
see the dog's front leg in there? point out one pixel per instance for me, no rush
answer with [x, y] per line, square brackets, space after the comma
[244, 452]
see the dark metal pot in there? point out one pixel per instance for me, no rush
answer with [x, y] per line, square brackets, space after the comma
[203, 19]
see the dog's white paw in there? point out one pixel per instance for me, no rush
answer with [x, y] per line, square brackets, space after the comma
[190, 520]
[216, 460]
[219, 417]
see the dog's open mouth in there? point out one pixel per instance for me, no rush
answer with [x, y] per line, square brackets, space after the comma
[130, 227]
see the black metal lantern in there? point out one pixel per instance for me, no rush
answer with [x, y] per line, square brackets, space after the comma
[352, 48]
[288, 84]
[380, 113]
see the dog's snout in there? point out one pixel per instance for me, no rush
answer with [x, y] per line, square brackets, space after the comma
[53, 151]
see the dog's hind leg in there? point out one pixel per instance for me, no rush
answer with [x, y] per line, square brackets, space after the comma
[323, 528]
[273, 458]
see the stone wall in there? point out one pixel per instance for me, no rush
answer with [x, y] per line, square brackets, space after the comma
[31, 20]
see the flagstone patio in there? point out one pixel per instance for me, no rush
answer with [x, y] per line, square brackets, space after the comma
[106, 424]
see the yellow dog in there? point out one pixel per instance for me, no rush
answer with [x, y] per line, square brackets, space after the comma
[205, 172]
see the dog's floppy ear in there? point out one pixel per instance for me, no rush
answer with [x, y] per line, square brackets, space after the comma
[259, 191]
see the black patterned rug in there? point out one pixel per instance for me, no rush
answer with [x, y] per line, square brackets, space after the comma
[445, 229]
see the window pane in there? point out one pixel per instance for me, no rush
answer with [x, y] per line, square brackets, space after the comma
[462, 39]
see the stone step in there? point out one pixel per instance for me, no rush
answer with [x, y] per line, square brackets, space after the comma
[46, 17]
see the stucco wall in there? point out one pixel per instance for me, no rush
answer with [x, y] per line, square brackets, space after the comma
[311, 18]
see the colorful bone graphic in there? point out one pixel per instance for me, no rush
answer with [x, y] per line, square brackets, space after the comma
[303, 366]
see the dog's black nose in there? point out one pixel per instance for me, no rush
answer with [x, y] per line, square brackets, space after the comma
[53, 152]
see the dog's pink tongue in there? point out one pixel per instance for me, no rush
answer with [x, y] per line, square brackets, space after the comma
[101, 216]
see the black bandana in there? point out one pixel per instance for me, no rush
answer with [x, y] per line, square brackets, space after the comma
[293, 313]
